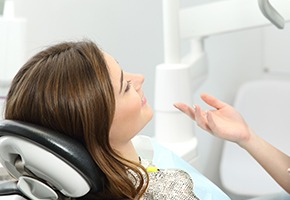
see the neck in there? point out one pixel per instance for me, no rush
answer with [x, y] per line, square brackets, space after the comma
[127, 151]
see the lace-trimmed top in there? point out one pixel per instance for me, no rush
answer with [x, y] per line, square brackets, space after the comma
[168, 184]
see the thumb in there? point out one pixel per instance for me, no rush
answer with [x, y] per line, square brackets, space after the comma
[210, 122]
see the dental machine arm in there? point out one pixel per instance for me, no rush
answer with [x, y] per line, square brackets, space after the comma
[271, 14]
[178, 77]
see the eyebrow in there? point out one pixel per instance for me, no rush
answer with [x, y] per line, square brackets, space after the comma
[121, 81]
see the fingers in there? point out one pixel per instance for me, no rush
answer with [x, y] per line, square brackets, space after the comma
[186, 109]
[212, 101]
[201, 118]
[195, 112]
[210, 122]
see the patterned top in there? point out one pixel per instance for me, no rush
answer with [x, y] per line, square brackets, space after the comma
[168, 184]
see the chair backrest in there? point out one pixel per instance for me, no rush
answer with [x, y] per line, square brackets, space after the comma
[42, 159]
[265, 106]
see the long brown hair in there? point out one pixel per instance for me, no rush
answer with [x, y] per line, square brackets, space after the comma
[67, 88]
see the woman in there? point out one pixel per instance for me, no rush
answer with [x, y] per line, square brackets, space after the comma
[78, 90]
[225, 122]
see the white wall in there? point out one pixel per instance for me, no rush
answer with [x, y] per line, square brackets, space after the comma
[129, 30]
[132, 32]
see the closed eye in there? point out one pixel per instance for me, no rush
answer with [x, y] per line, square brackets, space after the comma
[128, 86]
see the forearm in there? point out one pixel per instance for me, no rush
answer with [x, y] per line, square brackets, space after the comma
[275, 162]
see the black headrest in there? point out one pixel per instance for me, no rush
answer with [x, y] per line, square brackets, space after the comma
[62, 146]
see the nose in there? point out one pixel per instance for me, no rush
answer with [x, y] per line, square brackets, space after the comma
[137, 80]
[140, 78]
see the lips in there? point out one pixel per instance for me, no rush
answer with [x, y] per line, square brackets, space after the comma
[143, 100]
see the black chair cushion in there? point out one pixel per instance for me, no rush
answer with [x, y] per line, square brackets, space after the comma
[62, 146]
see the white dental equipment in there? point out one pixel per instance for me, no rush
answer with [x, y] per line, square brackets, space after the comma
[270, 13]
[178, 77]
[12, 40]
[237, 166]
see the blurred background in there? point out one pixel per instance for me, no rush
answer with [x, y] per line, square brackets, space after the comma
[131, 31]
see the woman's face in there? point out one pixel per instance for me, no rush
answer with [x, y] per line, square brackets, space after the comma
[132, 112]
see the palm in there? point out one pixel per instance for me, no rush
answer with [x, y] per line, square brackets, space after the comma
[224, 121]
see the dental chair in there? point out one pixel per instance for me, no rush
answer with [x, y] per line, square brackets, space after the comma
[48, 165]
[45, 164]
[264, 104]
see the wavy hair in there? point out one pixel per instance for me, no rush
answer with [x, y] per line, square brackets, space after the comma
[67, 88]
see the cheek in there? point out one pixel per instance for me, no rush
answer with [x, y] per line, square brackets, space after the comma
[128, 112]
[127, 115]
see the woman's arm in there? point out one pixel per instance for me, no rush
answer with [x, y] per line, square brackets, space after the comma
[226, 123]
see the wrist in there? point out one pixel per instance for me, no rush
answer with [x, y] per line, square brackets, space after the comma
[248, 139]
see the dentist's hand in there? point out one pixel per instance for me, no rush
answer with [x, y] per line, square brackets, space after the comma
[223, 121]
